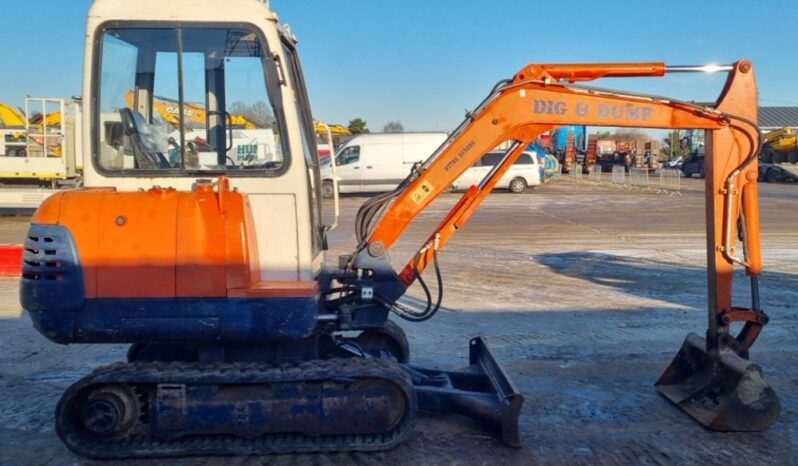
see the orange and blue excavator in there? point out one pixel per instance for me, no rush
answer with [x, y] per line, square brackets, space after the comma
[243, 338]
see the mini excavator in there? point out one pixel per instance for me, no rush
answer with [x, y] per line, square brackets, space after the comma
[243, 340]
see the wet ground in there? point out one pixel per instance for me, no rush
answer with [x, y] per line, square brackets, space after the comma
[584, 292]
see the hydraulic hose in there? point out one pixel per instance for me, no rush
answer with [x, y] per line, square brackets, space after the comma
[430, 310]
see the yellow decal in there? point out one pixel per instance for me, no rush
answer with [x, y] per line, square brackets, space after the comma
[421, 193]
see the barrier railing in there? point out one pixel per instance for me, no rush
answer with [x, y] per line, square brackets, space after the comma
[670, 182]
[638, 178]
[576, 172]
[635, 178]
[594, 173]
[618, 175]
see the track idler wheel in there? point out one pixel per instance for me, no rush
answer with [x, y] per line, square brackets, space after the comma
[109, 411]
[721, 390]
[390, 339]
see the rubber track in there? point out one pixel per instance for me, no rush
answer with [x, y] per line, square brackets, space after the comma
[146, 446]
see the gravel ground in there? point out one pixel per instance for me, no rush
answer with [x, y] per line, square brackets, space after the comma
[584, 292]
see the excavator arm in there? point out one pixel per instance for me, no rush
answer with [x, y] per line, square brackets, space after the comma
[536, 101]
[711, 372]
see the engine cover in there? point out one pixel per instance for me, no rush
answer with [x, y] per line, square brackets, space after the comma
[102, 266]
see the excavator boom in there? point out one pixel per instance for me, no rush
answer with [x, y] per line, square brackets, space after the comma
[538, 99]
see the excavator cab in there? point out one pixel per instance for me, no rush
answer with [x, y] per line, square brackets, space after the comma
[201, 245]
[166, 100]
[217, 212]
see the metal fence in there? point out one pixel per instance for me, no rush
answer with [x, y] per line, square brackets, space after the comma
[670, 182]
[635, 178]
[576, 171]
[594, 173]
[638, 178]
[618, 174]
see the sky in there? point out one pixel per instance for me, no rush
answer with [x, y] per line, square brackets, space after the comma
[425, 63]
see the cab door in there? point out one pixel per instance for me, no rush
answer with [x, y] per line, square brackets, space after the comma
[481, 169]
[472, 176]
[349, 169]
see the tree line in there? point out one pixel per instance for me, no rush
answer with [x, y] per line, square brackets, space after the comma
[359, 126]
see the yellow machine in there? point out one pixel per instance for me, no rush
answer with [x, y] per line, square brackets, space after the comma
[781, 145]
[194, 113]
[779, 156]
[51, 119]
[11, 117]
[336, 130]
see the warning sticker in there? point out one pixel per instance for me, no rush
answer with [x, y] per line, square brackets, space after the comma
[421, 193]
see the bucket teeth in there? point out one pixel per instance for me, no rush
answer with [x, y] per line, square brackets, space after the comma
[723, 392]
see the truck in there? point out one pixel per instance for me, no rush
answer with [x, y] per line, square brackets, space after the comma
[638, 153]
[694, 163]
[568, 144]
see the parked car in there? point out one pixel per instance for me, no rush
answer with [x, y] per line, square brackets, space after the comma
[675, 163]
[378, 162]
[524, 173]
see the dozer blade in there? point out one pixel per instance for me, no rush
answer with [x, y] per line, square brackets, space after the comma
[481, 391]
[724, 392]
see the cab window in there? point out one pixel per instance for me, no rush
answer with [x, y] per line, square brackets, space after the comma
[348, 155]
[174, 100]
[524, 159]
[491, 159]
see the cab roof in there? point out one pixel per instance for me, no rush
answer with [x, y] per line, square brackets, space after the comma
[180, 10]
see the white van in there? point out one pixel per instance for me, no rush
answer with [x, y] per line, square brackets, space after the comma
[378, 162]
[524, 173]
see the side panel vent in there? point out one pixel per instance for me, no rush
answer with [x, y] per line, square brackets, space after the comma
[52, 279]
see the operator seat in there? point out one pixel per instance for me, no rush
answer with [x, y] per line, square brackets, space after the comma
[146, 156]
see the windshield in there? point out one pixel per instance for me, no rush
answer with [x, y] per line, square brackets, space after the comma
[187, 99]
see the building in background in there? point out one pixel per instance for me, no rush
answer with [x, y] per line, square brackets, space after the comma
[774, 118]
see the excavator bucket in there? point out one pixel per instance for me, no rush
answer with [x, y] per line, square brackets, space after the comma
[482, 391]
[722, 391]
